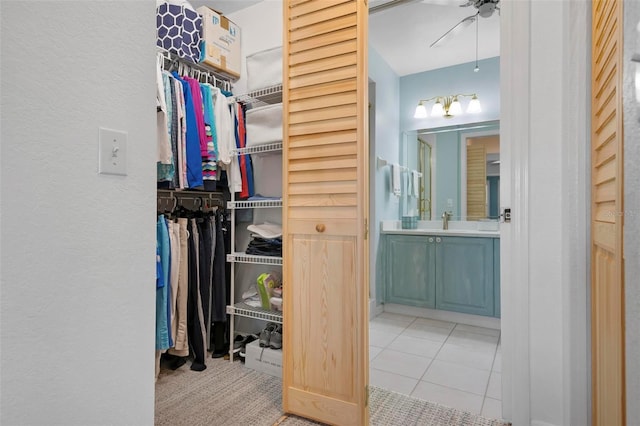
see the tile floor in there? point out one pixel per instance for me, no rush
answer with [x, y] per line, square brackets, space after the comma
[451, 364]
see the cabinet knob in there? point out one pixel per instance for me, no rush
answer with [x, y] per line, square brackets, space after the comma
[320, 227]
[431, 239]
[438, 239]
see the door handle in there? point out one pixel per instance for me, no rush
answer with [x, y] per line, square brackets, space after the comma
[438, 240]
[431, 239]
[320, 227]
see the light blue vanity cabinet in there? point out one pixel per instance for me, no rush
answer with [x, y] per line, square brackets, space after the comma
[410, 270]
[464, 275]
[453, 273]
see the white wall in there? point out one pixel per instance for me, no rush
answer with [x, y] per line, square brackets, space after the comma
[77, 248]
[632, 206]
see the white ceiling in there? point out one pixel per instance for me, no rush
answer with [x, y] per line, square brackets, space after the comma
[402, 34]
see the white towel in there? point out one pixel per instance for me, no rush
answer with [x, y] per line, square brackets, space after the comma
[416, 183]
[396, 183]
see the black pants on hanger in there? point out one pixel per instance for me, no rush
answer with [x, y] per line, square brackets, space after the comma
[194, 306]
[206, 266]
[221, 289]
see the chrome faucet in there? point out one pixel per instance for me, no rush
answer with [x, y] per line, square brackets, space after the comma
[445, 220]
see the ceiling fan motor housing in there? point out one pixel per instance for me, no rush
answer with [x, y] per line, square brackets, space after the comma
[486, 7]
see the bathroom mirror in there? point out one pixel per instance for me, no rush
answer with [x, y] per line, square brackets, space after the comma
[460, 172]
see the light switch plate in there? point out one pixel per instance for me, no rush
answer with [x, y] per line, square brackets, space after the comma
[112, 152]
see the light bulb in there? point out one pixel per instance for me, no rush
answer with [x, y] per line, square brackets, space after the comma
[455, 107]
[474, 105]
[437, 109]
[421, 111]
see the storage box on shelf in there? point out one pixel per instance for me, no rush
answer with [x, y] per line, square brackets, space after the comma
[220, 42]
[178, 30]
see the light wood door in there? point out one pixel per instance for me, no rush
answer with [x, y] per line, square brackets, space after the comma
[325, 205]
[476, 182]
[607, 279]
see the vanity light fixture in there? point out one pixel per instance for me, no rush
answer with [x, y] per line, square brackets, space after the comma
[447, 106]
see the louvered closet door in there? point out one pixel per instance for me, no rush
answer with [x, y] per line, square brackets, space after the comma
[476, 182]
[325, 207]
[607, 280]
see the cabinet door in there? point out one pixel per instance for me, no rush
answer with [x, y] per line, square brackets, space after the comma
[325, 259]
[464, 275]
[411, 271]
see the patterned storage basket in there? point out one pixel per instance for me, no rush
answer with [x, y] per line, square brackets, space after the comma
[179, 30]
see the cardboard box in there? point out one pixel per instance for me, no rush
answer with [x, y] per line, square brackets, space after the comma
[266, 360]
[220, 42]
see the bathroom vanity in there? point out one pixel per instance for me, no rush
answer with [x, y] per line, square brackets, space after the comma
[457, 269]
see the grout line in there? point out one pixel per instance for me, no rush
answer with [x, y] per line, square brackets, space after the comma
[454, 388]
[484, 398]
[436, 355]
[396, 374]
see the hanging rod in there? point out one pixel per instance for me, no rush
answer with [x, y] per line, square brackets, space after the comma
[171, 62]
[214, 198]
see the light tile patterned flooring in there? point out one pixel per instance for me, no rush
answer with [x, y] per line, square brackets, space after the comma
[451, 364]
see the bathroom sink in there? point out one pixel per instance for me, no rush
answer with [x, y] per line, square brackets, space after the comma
[461, 229]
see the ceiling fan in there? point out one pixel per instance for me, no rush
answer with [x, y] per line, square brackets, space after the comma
[485, 10]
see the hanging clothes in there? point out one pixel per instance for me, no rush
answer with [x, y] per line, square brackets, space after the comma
[193, 158]
[182, 135]
[172, 114]
[179, 320]
[206, 270]
[198, 105]
[209, 164]
[163, 337]
[246, 169]
[195, 320]
[221, 288]
[165, 158]
[224, 118]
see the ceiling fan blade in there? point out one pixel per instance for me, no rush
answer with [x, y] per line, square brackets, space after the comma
[455, 30]
[468, 3]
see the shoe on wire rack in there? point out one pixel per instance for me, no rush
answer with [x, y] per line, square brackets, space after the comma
[265, 335]
[276, 338]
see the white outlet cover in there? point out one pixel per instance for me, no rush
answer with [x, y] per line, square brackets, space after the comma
[112, 152]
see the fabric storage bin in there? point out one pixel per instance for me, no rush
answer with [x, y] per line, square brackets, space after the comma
[179, 29]
[267, 172]
[264, 124]
[264, 69]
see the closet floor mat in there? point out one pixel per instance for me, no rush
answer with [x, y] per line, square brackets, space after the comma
[231, 394]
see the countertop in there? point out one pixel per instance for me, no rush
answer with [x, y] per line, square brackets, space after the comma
[456, 229]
